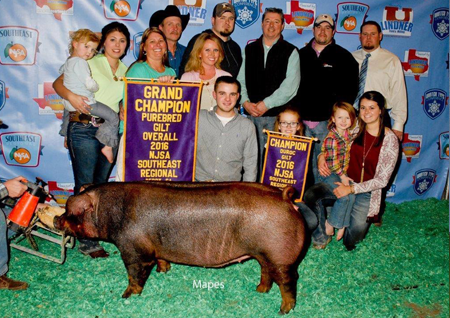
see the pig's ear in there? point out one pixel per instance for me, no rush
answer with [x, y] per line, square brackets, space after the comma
[80, 205]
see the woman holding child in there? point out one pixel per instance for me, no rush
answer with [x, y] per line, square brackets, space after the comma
[373, 156]
[88, 163]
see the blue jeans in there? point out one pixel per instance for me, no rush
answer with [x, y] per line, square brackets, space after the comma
[339, 216]
[5, 233]
[320, 132]
[262, 123]
[320, 196]
[89, 165]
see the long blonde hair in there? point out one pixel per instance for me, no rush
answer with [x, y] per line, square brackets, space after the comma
[195, 63]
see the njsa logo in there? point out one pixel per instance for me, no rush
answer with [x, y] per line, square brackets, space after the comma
[18, 45]
[21, 148]
[127, 10]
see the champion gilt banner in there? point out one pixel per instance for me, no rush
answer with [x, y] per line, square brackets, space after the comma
[286, 162]
[160, 130]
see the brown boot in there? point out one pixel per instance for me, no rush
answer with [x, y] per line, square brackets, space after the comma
[11, 284]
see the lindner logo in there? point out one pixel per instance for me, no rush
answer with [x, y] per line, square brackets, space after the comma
[136, 43]
[196, 8]
[397, 22]
[424, 180]
[18, 45]
[49, 102]
[247, 12]
[21, 149]
[350, 16]
[127, 10]
[411, 146]
[60, 191]
[439, 23]
[416, 64]
[434, 102]
[300, 16]
[57, 8]
[443, 145]
[3, 94]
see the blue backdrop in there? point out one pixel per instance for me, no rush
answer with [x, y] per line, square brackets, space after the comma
[34, 37]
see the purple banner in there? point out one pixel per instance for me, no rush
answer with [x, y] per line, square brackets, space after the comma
[286, 163]
[160, 131]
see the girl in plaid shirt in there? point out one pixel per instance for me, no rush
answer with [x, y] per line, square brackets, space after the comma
[336, 149]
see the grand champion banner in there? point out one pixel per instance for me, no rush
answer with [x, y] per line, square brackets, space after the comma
[160, 130]
[286, 162]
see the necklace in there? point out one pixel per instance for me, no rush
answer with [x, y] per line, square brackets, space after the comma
[365, 154]
[114, 70]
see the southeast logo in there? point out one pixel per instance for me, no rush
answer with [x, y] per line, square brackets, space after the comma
[21, 149]
[350, 17]
[300, 16]
[135, 44]
[49, 102]
[416, 64]
[443, 145]
[439, 23]
[397, 21]
[247, 12]
[3, 94]
[411, 146]
[423, 180]
[18, 45]
[434, 102]
[57, 8]
[127, 10]
[196, 8]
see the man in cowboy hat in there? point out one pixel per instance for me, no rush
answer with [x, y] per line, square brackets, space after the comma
[172, 24]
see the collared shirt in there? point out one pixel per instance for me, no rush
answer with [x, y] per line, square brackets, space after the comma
[288, 88]
[223, 151]
[385, 75]
[175, 60]
[3, 191]
[336, 148]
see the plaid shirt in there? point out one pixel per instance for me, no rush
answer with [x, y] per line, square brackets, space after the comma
[4, 194]
[336, 149]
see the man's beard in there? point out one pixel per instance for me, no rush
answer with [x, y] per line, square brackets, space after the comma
[226, 33]
[368, 47]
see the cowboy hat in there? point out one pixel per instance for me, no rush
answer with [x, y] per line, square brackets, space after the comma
[170, 11]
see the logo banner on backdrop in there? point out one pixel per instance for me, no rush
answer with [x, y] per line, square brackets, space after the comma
[160, 130]
[286, 162]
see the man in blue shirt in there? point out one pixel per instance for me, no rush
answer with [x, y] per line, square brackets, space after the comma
[172, 24]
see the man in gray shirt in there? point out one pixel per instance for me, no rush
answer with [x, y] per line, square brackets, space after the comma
[226, 148]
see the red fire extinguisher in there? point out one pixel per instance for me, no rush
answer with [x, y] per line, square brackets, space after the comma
[23, 211]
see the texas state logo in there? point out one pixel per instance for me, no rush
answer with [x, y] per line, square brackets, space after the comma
[350, 16]
[424, 180]
[397, 21]
[247, 12]
[439, 23]
[49, 102]
[60, 191]
[416, 64]
[136, 42]
[21, 148]
[434, 102]
[127, 10]
[443, 145]
[3, 94]
[411, 146]
[300, 16]
[57, 8]
[196, 8]
[18, 45]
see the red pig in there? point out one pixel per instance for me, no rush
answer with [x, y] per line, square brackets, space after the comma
[202, 224]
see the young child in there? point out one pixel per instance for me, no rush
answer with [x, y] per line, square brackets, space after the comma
[336, 149]
[77, 78]
[289, 122]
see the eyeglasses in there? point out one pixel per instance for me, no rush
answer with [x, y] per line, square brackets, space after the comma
[286, 124]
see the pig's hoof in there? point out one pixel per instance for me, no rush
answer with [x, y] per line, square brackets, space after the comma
[286, 307]
[263, 288]
[163, 266]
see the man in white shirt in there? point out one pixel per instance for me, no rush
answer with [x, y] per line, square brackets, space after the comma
[384, 74]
